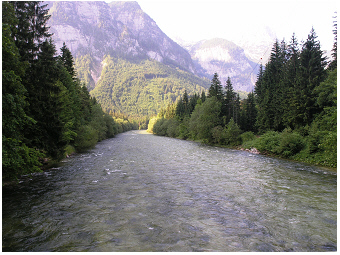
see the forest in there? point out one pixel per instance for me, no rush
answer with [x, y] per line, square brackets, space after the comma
[141, 88]
[47, 113]
[292, 112]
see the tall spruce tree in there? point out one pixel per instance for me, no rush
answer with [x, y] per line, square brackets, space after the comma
[17, 157]
[31, 29]
[290, 81]
[216, 89]
[249, 113]
[43, 99]
[311, 74]
[229, 101]
[67, 60]
[333, 63]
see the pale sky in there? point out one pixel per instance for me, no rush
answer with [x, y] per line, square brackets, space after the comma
[233, 20]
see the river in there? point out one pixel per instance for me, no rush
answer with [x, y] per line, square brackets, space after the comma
[140, 192]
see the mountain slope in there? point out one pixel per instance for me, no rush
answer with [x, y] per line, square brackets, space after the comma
[119, 29]
[142, 88]
[125, 60]
[227, 59]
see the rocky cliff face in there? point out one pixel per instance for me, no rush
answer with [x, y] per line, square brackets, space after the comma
[118, 29]
[227, 59]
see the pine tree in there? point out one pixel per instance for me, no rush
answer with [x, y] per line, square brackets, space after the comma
[216, 89]
[270, 91]
[311, 74]
[31, 29]
[333, 64]
[43, 99]
[185, 100]
[67, 60]
[203, 97]
[17, 157]
[250, 113]
[290, 81]
[229, 101]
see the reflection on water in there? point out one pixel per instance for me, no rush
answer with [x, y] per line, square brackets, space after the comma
[140, 192]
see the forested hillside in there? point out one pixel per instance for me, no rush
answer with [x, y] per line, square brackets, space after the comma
[293, 111]
[141, 89]
[122, 55]
[46, 112]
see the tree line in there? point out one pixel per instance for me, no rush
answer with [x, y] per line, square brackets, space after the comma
[46, 112]
[291, 112]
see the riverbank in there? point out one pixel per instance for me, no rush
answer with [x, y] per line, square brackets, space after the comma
[261, 145]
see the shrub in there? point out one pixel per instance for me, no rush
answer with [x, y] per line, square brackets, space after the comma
[290, 143]
[232, 133]
[247, 136]
[152, 122]
[160, 127]
[87, 138]
[183, 129]
[218, 134]
[268, 142]
[173, 128]
[204, 118]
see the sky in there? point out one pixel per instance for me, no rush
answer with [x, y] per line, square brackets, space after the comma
[239, 20]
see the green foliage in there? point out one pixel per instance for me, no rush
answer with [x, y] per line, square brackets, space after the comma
[173, 127]
[18, 159]
[87, 138]
[216, 89]
[184, 131]
[152, 122]
[160, 127]
[290, 143]
[47, 113]
[143, 88]
[268, 142]
[204, 118]
[232, 133]
[247, 136]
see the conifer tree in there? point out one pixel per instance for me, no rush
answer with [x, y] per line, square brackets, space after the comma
[229, 101]
[203, 97]
[31, 29]
[290, 81]
[311, 74]
[17, 157]
[216, 89]
[333, 64]
[67, 60]
[250, 113]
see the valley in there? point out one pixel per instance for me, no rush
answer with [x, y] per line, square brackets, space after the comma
[122, 32]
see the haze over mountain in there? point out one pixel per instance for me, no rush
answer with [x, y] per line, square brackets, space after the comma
[156, 68]
[227, 59]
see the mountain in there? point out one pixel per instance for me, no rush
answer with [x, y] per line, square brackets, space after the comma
[227, 59]
[126, 60]
[120, 29]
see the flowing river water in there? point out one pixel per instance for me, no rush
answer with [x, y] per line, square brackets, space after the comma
[140, 192]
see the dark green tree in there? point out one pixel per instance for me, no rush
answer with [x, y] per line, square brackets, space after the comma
[248, 114]
[43, 92]
[311, 74]
[216, 89]
[203, 97]
[67, 60]
[229, 101]
[31, 29]
[17, 157]
[270, 90]
[333, 63]
[291, 81]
